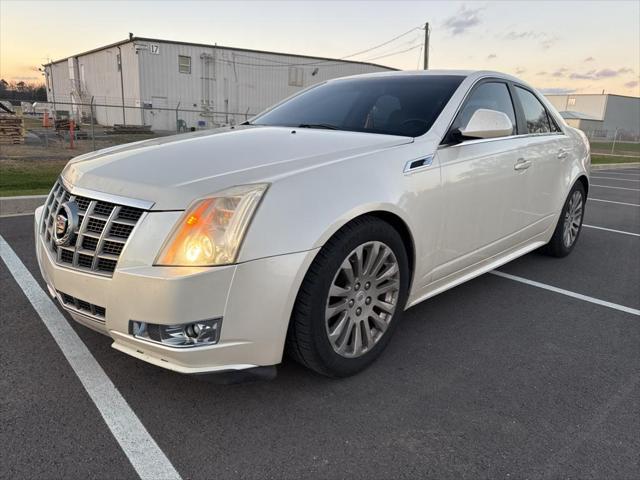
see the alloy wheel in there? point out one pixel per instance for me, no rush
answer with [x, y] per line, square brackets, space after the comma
[362, 299]
[572, 219]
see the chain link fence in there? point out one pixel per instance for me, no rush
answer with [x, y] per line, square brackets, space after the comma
[616, 142]
[99, 125]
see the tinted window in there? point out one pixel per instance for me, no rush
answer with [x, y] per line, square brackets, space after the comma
[492, 96]
[403, 105]
[534, 112]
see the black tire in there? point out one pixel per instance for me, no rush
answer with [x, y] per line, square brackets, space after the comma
[307, 338]
[557, 247]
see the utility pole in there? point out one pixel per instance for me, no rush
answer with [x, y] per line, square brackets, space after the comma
[426, 46]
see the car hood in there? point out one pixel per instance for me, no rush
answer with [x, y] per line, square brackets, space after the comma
[173, 171]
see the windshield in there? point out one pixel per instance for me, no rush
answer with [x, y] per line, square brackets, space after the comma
[404, 105]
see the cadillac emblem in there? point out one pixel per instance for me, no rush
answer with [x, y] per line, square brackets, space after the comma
[66, 223]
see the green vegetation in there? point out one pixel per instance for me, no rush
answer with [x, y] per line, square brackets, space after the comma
[620, 148]
[28, 177]
[602, 159]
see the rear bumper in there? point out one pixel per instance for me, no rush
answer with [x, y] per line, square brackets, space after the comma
[254, 300]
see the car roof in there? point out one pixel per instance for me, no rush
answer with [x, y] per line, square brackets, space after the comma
[471, 74]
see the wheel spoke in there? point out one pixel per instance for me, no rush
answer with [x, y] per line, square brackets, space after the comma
[357, 339]
[357, 263]
[388, 273]
[367, 333]
[338, 291]
[382, 255]
[384, 306]
[378, 321]
[343, 342]
[333, 310]
[371, 258]
[349, 273]
[339, 327]
[388, 286]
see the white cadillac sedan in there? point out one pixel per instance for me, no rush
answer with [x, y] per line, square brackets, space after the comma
[312, 227]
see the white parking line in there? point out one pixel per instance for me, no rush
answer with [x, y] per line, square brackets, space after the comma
[611, 201]
[617, 188]
[634, 172]
[9, 215]
[622, 174]
[619, 179]
[611, 230]
[141, 449]
[568, 293]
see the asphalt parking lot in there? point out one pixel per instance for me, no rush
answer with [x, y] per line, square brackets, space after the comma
[496, 378]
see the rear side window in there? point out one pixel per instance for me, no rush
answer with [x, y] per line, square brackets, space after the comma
[534, 112]
[492, 96]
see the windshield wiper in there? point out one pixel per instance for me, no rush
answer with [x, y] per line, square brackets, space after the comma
[318, 125]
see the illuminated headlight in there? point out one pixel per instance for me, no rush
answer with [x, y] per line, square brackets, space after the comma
[194, 334]
[212, 229]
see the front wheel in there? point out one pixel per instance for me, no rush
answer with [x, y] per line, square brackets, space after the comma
[350, 300]
[569, 224]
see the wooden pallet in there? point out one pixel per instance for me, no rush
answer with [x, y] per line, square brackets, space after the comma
[11, 128]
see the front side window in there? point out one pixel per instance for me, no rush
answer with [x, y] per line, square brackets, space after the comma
[491, 96]
[184, 64]
[404, 105]
[534, 112]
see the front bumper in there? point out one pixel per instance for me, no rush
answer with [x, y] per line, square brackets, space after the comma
[254, 299]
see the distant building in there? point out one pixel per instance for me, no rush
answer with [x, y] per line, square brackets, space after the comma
[601, 115]
[220, 85]
[584, 122]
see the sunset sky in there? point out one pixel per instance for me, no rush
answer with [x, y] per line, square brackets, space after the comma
[582, 47]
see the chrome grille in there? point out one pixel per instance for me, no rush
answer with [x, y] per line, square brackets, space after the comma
[103, 231]
[96, 312]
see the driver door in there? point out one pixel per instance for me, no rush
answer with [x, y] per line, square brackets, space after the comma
[479, 185]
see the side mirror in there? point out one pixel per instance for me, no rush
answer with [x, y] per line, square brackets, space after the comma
[485, 123]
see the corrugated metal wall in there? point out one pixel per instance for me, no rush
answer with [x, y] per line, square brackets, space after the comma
[223, 86]
[617, 112]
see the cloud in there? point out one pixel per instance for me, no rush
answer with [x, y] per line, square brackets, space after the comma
[462, 21]
[632, 84]
[589, 59]
[600, 74]
[559, 73]
[520, 70]
[541, 74]
[556, 91]
[491, 56]
[580, 76]
[546, 40]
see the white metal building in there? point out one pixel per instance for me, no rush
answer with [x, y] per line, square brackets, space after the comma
[618, 114]
[584, 122]
[163, 78]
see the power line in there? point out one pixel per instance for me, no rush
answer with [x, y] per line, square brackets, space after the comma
[382, 44]
[320, 62]
[396, 53]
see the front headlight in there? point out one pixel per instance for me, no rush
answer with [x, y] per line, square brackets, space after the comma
[211, 230]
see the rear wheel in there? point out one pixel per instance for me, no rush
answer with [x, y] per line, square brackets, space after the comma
[569, 224]
[351, 299]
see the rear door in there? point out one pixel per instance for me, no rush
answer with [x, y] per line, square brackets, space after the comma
[479, 184]
[546, 151]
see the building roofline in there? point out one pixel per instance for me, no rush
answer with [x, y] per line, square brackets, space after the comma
[191, 44]
[589, 95]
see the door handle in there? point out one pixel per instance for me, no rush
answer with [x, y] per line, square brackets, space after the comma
[522, 164]
[562, 154]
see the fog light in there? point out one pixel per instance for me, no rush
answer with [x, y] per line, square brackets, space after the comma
[194, 334]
